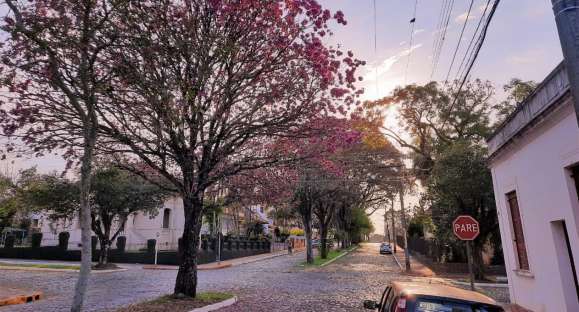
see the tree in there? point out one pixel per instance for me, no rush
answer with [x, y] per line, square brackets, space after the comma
[517, 91]
[208, 88]
[461, 183]
[115, 195]
[448, 149]
[55, 65]
[8, 201]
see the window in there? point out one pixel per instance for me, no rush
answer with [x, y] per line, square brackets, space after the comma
[518, 236]
[166, 218]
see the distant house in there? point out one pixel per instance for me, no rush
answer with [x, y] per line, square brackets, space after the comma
[534, 158]
[166, 226]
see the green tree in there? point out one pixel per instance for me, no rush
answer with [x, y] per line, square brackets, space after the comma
[517, 91]
[115, 195]
[447, 144]
[461, 183]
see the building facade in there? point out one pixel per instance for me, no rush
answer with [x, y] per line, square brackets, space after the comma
[166, 226]
[534, 159]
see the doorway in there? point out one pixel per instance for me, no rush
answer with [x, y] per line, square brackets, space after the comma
[566, 264]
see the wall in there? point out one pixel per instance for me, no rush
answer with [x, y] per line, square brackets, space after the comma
[228, 251]
[534, 166]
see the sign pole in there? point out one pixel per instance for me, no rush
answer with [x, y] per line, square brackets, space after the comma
[470, 263]
[157, 248]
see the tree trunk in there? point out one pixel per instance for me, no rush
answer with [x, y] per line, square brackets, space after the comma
[478, 263]
[104, 252]
[323, 241]
[308, 231]
[85, 217]
[186, 282]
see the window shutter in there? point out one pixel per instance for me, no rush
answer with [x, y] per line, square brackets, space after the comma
[518, 236]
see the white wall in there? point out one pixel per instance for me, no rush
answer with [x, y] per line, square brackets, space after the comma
[535, 167]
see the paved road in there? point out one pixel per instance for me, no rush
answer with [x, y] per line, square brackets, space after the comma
[276, 284]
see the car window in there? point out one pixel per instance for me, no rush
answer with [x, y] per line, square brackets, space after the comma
[428, 305]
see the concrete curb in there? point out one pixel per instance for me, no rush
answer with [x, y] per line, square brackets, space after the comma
[216, 306]
[14, 268]
[482, 284]
[162, 267]
[398, 262]
[340, 256]
[20, 299]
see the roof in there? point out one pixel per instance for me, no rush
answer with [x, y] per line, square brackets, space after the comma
[440, 290]
[548, 94]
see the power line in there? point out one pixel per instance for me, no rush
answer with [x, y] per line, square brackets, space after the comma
[413, 23]
[468, 54]
[438, 33]
[376, 49]
[438, 52]
[478, 47]
[459, 40]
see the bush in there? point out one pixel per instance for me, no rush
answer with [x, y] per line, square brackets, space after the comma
[296, 232]
[151, 245]
[9, 242]
[121, 243]
[36, 239]
[63, 240]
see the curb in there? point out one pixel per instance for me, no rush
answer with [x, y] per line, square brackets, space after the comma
[398, 262]
[482, 284]
[216, 306]
[58, 270]
[223, 266]
[338, 257]
[20, 299]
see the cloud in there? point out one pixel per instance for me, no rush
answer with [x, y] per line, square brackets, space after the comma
[462, 17]
[403, 43]
[386, 65]
[419, 31]
[527, 57]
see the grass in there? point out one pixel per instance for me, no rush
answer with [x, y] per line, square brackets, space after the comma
[41, 266]
[332, 254]
[173, 304]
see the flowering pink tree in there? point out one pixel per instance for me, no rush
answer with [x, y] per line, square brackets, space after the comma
[55, 63]
[207, 89]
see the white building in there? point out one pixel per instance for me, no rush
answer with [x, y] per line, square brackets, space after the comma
[166, 226]
[534, 158]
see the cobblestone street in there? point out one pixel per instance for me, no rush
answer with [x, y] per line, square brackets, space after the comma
[276, 284]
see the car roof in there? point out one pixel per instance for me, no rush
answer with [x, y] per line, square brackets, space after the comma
[440, 290]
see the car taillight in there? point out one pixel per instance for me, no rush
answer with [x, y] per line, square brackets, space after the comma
[401, 306]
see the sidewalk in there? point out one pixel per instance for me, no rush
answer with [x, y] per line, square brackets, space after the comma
[417, 268]
[223, 264]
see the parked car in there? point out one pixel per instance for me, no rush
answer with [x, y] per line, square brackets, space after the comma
[385, 249]
[425, 297]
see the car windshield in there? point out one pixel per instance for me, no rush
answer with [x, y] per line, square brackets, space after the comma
[428, 305]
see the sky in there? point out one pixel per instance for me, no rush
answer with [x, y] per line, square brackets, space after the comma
[522, 42]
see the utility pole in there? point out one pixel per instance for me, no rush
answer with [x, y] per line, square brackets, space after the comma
[404, 229]
[394, 226]
[567, 18]
[386, 229]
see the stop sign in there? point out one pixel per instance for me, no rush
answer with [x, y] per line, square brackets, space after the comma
[465, 227]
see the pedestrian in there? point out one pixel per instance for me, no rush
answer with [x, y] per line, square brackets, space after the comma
[290, 246]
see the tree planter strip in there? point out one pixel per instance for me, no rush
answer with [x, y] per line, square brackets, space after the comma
[217, 306]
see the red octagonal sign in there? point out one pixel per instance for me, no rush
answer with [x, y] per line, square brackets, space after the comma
[465, 228]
